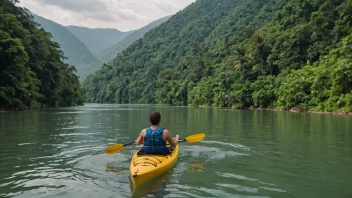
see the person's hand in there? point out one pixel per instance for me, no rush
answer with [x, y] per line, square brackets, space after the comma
[177, 137]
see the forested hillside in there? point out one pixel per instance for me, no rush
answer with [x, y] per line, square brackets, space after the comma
[98, 39]
[110, 53]
[32, 71]
[75, 50]
[239, 54]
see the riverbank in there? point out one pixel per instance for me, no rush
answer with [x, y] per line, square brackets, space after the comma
[25, 108]
[21, 109]
[295, 110]
[298, 110]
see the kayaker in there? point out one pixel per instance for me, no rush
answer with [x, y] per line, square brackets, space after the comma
[154, 138]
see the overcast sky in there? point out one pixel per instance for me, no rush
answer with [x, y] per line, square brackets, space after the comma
[120, 14]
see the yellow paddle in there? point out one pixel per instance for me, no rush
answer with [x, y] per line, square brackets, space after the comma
[194, 138]
[118, 147]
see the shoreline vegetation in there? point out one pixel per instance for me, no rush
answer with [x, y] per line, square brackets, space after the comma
[290, 54]
[28, 108]
[294, 110]
[255, 55]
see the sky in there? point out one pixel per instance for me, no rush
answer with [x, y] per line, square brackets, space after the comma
[123, 15]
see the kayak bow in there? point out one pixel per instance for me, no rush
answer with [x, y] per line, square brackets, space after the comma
[146, 167]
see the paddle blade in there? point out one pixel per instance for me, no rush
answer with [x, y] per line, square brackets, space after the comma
[114, 148]
[195, 138]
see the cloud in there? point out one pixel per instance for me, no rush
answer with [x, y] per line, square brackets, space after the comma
[121, 14]
[164, 5]
[74, 5]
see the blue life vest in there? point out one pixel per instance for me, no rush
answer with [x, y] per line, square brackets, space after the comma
[154, 142]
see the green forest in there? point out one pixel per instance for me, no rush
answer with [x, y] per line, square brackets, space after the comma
[76, 52]
[33, 74]
[109, 53]
[238, 54]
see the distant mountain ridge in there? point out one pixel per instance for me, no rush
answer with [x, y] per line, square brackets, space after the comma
[110, 53]
[98, 39]
[75, 50]
[88, 48]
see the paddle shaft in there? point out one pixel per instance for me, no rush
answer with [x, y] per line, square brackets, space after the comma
[193, 138]
[129, 144]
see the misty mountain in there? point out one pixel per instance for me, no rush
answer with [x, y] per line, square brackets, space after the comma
[99, 38]
[109, 53]
[75, 50]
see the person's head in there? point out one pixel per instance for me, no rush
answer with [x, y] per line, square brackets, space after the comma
[154, 118]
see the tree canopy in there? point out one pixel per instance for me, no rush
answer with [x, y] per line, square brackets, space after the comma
[32, 71]
[239, 54]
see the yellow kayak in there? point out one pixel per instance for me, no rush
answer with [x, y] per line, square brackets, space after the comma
[146, 167]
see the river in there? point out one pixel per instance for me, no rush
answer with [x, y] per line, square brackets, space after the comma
[61, 153]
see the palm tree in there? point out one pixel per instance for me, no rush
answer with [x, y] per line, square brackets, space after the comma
[258, 39]
[240, 58]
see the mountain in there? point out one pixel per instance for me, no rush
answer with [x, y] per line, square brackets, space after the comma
[75, 50]
[109, 53]
[238, 54]
[33, 74]
[98, 39]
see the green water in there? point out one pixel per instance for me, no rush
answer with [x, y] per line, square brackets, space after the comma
[60, 153]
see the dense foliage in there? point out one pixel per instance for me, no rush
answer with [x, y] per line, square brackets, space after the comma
[240, 54]
[32, 71]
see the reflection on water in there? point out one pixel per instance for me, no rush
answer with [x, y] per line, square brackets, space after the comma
[111, 169]
[197, 166]
[61, 153]
[152, 188]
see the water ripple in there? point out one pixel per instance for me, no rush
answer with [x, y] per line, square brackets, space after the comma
[229, 175]
[237, 146]
[61, 153]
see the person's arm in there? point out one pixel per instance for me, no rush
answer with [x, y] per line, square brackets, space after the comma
[172, 142]
[139, 139]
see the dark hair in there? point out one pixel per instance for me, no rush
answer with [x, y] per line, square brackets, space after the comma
[155, 118]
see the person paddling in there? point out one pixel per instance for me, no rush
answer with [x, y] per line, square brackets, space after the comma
[154, 138]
